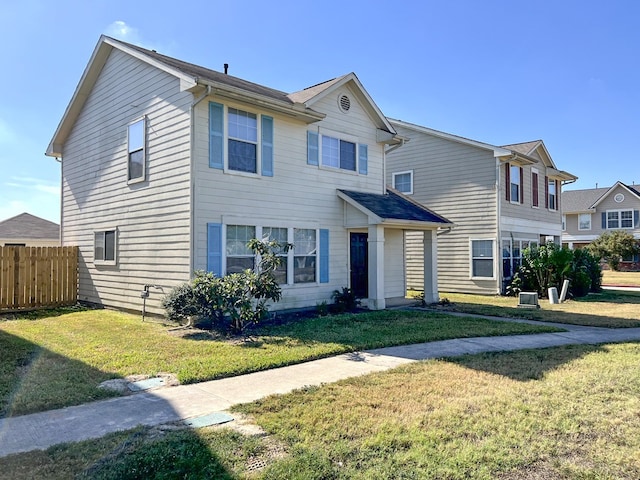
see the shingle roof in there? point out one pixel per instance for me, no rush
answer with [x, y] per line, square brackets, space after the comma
[207, 74]
[581, 200]
[393, 206]
[524, 148]
[26, 226]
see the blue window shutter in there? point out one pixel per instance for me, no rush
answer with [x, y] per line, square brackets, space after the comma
[312, 148]
[216, 135]
[214, 248]
[267, 146]
[604, 220]
[324, 256]
[636, 218]
[363, 159]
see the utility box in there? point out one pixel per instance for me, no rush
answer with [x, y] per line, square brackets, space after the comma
[528, 300]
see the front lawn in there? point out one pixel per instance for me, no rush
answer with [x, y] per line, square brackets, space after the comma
[610, 309]
[561, 413]
[628, 279]
[59, 360]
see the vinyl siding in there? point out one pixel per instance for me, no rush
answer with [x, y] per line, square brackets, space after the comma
[151, 217]
[459, 182]
[298, 195]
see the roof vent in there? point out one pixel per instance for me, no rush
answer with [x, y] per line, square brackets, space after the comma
[619, 198]
[226, 68]
[345, 103]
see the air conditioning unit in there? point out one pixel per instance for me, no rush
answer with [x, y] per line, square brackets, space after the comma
[528, 300]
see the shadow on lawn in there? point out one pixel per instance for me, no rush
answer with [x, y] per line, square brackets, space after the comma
[525, 365]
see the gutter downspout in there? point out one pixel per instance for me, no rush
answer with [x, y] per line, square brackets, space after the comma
[192, 179]
[60, 237]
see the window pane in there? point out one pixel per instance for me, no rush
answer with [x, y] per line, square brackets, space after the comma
[330, 152]
[304, 269]
[515, 183]
[281, 271]
[304, 241]
[612, 220]
[626, 219]
[347, 155]
[482, 248]
[243, 156]
[110, 245]
[136, 164]
[98, 253]
[402, 182]
[584, 221]
[136, 136]
[239, 264]
[243, 125]
[237, 238]
[483, 268]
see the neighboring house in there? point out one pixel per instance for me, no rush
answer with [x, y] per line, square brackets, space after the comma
[588, 213]
[168, 168]
[501, 200]
[26, 230]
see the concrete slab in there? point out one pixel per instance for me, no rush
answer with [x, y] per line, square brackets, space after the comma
[216, 418]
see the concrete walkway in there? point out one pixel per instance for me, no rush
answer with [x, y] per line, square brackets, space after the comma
[172, 404]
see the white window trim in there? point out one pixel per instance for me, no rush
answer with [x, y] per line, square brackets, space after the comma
[393, 181]
[259, 225]
[590, 222]
[131, 181]
[619, 212]
[493, 243]
[102, 231]
[226, 138]
[323, 132]
[556, 197]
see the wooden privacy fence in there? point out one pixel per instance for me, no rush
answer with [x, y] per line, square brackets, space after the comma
[34, 277]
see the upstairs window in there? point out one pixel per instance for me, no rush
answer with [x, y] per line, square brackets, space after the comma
[617, 219]
[534, 188]
[243, 141]
[513, 183]
[403, 182]
[552, 194]
[584, 221]
[136, 151]
[338, 153]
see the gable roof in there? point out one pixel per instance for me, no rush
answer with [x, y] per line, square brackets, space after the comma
[586, 200]
[527, 149]
[195, 78]
[393, 207]
[27, 226]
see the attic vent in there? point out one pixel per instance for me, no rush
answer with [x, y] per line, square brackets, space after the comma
[619, 198]
[345, 103]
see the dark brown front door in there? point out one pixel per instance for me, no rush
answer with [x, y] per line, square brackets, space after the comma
[359, 265]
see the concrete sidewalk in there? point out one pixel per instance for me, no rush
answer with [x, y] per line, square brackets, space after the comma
[171, 404]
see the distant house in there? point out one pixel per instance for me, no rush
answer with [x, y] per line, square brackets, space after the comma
[170, 167]
[501, 200]
[26, 230]
[588, 213]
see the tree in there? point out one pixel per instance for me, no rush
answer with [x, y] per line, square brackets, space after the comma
[612, 247]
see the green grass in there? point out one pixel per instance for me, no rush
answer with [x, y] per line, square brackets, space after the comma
[60, 360]
[610, 309]
[563, 413]
[630, 279]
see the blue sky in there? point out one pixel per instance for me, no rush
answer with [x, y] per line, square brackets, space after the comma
[500, 72]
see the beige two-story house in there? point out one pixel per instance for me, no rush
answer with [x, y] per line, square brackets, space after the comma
[588, 213]
[501, 200]
[170, 167]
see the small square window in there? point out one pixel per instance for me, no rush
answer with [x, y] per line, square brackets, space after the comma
[482, 258]
[403, 182]
[584, 221]
[136, 151]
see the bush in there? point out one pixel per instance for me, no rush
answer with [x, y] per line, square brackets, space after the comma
[612, 247]
[550, 265]
[240, 298]
[345, 300]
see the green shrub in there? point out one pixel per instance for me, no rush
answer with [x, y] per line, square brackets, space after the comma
[345, 300]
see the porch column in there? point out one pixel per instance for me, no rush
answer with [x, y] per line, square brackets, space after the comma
[376, 267]
[431, 267]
